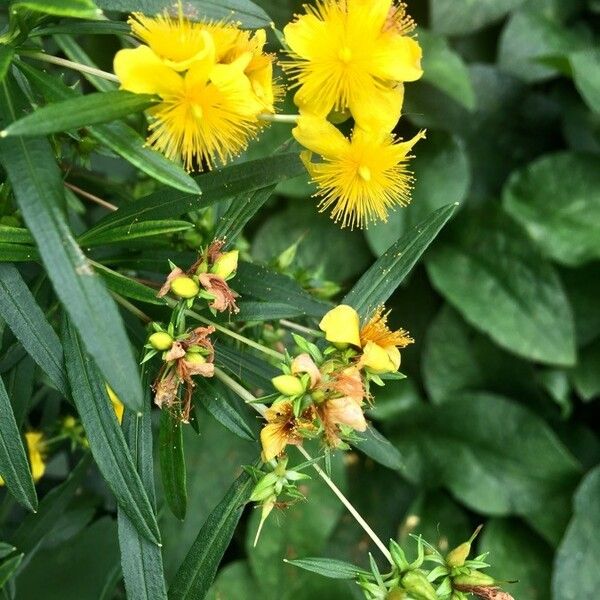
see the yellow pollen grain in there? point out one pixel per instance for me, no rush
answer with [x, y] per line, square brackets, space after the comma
[345, 54]
[364, 173]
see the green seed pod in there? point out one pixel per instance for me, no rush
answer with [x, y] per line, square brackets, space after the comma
[195, 358]
[396, 594]
[184, 287]
[418, 586]
[226, 264]
[458, 556]
[161, 340]
[474, 578]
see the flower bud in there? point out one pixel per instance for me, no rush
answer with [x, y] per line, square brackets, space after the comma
[417, 584]
[161, 340]
[184, 287]
[458, 556]
[288, 385]
[396, 594]
[474, 578]
[226, 264]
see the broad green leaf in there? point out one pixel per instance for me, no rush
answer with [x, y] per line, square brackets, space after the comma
[27, 321]
[445, 69]
[474, 363]
[516, 553]
[442, 176]
[489, 271]
[242, 208]
[35, 527]
[457, 17]
[198, 570]
[380, 449]
[75, 113]
[216, 186]
[118, 136]
[6, 55]
[8, 568]
[576, 574]
[172, 463]
[129, 288]
[249, 14]
[105, 437]
[38, 188]
[586, 74]
[557, 200]
[211, 397]
[328, 567]
[14, 468]
[264, 284]
[530, 36]
[133, 232]
[382, 279]
[83, 9]
[495, 456]
[141, 560]
[586, 375]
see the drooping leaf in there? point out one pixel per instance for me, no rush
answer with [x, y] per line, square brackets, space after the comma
[557, 200]
[106, 438]
[492, 275]
[198, 570]
[141, 560]
[14, 468]
[38, 188]
[328, 567]
[27, 321]
[172, 463]
[382, 279]
[78, 112]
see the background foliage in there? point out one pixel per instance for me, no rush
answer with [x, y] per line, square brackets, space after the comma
[497, 421]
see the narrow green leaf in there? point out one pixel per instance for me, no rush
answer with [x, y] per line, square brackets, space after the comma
[382, 279]
[84, 9]
[265, 311]
[35, 527]
[328, 567]
[124, 286]
[246, 366]
[75, 113]
[6, 549]
[27, 321]
[6, 56]
[17, 253]
[38, 188]
[15, 235]
[216, 186]
[83, 28]
[141, 560]
[211, 397]
[119, 137]
[172, 463]
[380, 449]
[8, 568]
[247, 13]
[242, 208]
[196, 573]
[133, 232]
[105, 437]
[14, 468]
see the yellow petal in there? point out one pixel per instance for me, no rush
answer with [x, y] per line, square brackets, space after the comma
[320, 136]
[273, 440]
[36, 458]
[116, 403]
[394, 356]
[205, 54]
[376, 359]
[305, 36]
[397, 58]
[141, 71]
[345, 411]
[231, 81]
[341, 325]
[377, 108]
[367, 14]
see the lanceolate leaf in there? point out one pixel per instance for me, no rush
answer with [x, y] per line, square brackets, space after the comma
[246, 366]
[380, 449]
[119, 137]
[141, 560]
[382, 279]
[79, 112]
[14, 467]
[199, 567]
[124, 286]
[27, 321]
[172, 463]
[8, 568]
[105, 437]
[133, 232]
[37, 185]
[6, 55]
[84, 9]
[328, 567]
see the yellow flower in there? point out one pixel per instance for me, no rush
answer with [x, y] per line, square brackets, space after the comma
[35, 450]
[282, 428]
[360, 178]
[379, 344]
[350, 54]
[116, 403]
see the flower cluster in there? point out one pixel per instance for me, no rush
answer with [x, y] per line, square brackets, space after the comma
[213, 80]
[322, 394]
[350, 58]
[188, 352]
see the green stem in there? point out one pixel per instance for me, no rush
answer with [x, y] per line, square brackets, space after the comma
[69, 64]
[294, 326]
[278, 118]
